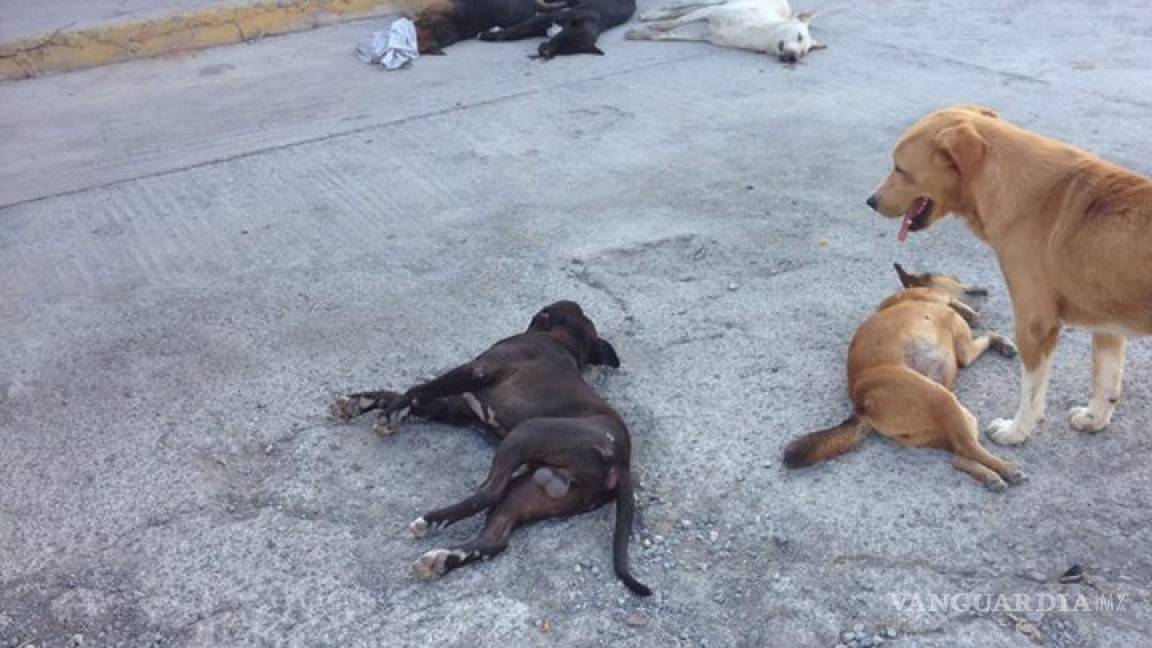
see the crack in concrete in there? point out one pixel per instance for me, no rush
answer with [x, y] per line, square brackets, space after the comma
[389, 123]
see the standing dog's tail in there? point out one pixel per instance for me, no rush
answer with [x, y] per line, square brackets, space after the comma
[625, 509]
[823, 445]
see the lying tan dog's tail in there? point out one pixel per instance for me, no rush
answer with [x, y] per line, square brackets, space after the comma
[823, 445]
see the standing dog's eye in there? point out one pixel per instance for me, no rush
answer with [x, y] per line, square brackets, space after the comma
[799, 38]
[780, 46]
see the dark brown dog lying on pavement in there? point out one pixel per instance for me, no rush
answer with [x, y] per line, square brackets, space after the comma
[564, 450]
[444, 22]
[902, 367]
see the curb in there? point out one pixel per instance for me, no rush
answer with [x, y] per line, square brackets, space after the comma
[62, 50]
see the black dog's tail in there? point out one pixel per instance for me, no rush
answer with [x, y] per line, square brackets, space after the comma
[625, 510]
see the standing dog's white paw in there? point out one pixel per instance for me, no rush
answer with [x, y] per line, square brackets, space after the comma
[1006, 432]
[1084, 420]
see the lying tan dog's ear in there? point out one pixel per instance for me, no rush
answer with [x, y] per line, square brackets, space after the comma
[908, 279]
[963, 146]
[979, 110]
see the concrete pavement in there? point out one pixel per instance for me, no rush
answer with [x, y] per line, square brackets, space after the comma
[47, 36]
[199, 253]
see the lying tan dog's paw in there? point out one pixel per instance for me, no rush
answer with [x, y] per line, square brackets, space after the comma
[434, 564]
[1015, 475]
[1084, 419]
[1006, 432]
[1003, 346]
[995, 484]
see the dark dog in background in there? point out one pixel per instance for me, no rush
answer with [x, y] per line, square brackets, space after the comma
[444, 22]
[564, 450]
[571, 26]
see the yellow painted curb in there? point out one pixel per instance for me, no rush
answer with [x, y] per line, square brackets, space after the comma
[71, 50]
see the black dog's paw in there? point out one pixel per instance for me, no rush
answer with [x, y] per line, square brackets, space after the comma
[345, 409]
[436, 563]
[494, 34]
[393, 415]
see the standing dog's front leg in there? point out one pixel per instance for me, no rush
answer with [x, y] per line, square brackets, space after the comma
[465, 378]
[1036, 338]
[1107, 374]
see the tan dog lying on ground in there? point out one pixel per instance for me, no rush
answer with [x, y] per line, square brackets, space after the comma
[901, 369]
[1073, 234]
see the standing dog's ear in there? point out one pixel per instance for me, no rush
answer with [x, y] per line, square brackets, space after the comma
[963, 147]
[603, 354]
[816, 45]
[805, 16]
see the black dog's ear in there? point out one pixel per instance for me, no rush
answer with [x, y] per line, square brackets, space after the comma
[542, 321]
[604, 354]
[595, 50]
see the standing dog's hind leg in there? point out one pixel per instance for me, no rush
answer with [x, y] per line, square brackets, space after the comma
[1107, 376]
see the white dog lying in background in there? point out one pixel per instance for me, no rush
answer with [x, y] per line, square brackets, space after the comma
[769, 26]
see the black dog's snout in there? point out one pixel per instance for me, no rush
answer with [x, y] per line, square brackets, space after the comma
[872, 201]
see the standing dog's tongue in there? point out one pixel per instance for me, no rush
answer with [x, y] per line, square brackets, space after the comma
[906, 221]
[905, 227]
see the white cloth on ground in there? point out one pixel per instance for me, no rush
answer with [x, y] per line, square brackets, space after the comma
[393, 49]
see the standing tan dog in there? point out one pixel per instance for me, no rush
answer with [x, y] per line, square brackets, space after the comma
[1072, 232]
[901, 370]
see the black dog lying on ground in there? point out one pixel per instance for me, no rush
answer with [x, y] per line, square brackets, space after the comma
[580, 23]
[445, 22]
[564, 449]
